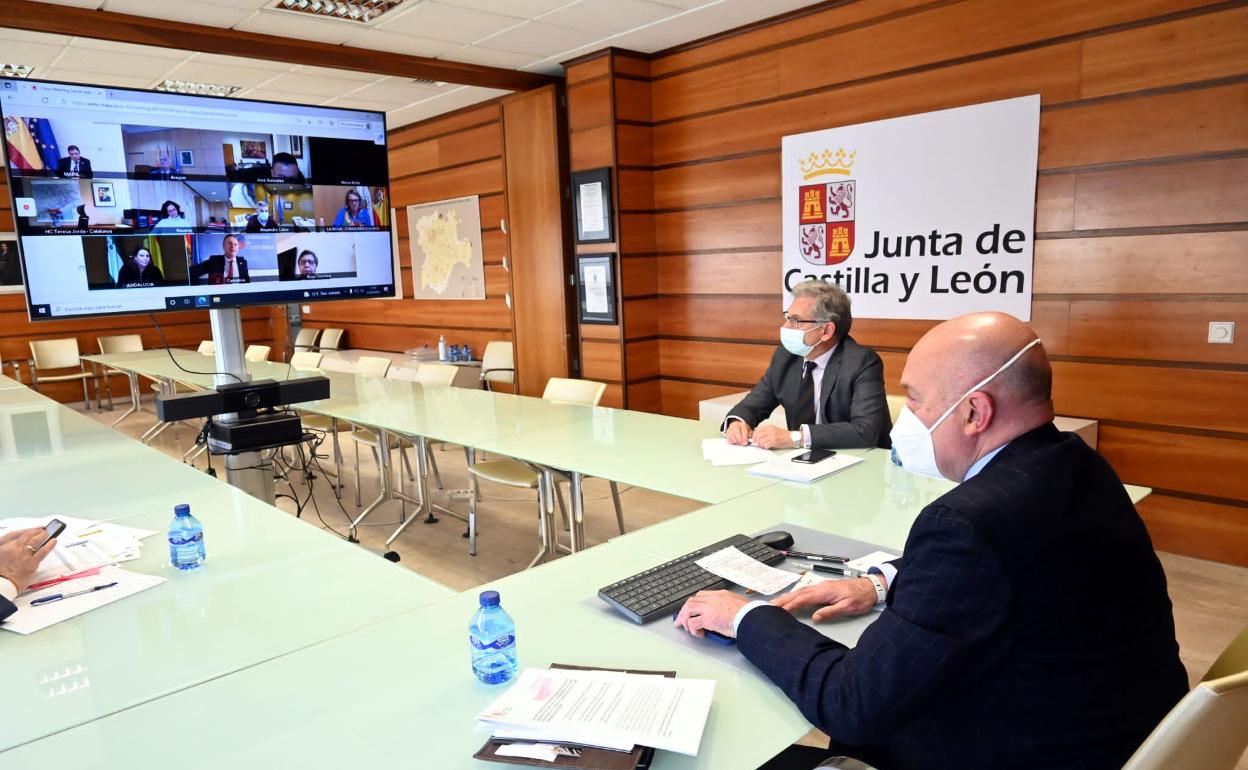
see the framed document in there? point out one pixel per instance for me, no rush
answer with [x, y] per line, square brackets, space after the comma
[595, 288]
[591, 201]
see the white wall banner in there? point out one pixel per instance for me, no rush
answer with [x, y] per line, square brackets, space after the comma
[924, 216]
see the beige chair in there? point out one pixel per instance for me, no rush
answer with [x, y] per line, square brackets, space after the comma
[372, 366]
[498, 365]
[118, 343]
[207, 348]
[337, 365]
[257, 352]
[439, 375]
[327, 425]
[895, 403]
[304, 360]
[330, 339]
[1208, 729]
[514, 473]
[60, 354]
[306, 338]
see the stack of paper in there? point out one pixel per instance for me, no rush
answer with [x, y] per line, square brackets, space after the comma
[84, 557]
[607, 709]
[783, 467]
[719, 452]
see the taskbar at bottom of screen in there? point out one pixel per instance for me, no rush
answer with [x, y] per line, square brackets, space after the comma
[210, 301]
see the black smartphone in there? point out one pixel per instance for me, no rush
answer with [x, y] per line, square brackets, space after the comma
[814, 456]
[53, 528]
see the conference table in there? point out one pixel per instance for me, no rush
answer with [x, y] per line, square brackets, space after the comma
[291, 649]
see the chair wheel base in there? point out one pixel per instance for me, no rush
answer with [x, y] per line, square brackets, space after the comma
[391, 556]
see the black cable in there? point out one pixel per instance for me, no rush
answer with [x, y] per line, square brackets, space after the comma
[165, 340]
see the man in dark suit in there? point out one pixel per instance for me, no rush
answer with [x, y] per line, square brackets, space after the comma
[831, 387]
[230, 267]
[20, 554]
[1027, 624]
[75, 165]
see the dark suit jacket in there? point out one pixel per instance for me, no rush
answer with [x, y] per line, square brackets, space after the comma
[1028, 627]
[853, 407]
[214, 268]
[7, 608]
[84, 167]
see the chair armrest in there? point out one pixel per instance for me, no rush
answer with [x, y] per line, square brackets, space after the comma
[491, 371]
[843, 763]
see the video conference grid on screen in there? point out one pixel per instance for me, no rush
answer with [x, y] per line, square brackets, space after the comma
[133, 201]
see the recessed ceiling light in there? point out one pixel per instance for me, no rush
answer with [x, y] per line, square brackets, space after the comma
[16, 70]
[361, 11]
[196, 89]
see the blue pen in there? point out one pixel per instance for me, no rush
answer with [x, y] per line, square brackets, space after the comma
[58, 597]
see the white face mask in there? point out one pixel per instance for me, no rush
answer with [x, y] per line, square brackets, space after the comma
[912, 440]
[794, 341]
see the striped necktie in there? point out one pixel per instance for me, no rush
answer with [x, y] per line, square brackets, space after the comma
[804, 414]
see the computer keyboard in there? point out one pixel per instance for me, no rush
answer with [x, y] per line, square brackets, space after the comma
[661, 590]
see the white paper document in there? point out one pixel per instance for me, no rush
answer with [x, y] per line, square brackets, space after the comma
[29, 619]
[593, 214]
[595, 282]
[873, 559]
[545, 752]
[746, 571]
[83, 545]
[783, 467]
[603, 708]
[719, 452]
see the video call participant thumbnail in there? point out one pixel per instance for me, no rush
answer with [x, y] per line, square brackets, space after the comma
[230, 266]
[286, 166]
[355, 211]
[134, 261]
[138, 271]
[74, 166]
[171, 216]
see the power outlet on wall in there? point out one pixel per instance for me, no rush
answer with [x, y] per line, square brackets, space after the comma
[1221, 332]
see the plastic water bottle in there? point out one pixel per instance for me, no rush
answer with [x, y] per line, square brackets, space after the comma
[454, 353]
[441, 347]
[465, 353]
[186, 539]
[492, 639]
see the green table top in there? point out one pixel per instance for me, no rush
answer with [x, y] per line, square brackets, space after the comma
[648, 450]
[9, 382]
[401, 693]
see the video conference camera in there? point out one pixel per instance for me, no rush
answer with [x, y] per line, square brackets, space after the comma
[262, 418]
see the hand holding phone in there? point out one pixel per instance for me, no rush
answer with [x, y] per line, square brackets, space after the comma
[51, 529]
[814, 456]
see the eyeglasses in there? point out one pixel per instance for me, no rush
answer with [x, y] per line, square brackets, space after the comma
[794, 320]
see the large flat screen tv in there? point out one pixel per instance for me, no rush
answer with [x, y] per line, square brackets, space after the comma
[129, 201]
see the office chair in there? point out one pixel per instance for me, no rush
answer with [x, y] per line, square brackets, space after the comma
[306, 338]
[207, 348]
[1207, 728]
[60, 354]
[515, 473]
[330, 339]
[257, 352]
[304, 360]
[498, 364]
[119, 343]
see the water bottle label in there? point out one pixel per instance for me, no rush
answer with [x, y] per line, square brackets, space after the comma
[185, 541]
[501, 643]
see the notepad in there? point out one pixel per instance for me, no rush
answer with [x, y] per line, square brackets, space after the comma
[719, 452]
[783, 467]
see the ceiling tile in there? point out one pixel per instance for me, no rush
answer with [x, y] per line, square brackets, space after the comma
[399, 90]
[213, 13]
[239, 61]
[114, 62]
[37, 55]
[291, 24]
[92, 4]
[524, 9]
[448, 22]
[97, 78]
[129, 49]
[474, 54]
[299, 84]
[207, 72]
[609, 16]
[540, 39]
[460, 97]
[412, 45]
[359, 77]
[363, 104]
[9, 33]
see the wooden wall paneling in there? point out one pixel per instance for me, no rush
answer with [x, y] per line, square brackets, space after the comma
[1182, 398]
[467, 146]
[630, 64]
[1187, 50]
[1055, 203]
[1179, 263]
[728, 272]
[636, 188]
[589, 105]
[1197, 528]
[592, 148]
[634, 145]
[475, 179]
[1156, 330]
[398, 338]
[740, 317]
[539, 259]
[643, 360]
[1203, 192]
[1161, 125]
[484, 314]
[1167, 459]
[638, 277]
[750, 225]
[613, 396]
[645, 396]
[1053, 72]
[487, 112]
[722, 181]
[731, 363]
[641, 318]
[600, 332]
[680, 397]
[632, 99]
[738, 81]
[637, 233]
[600, 360]
[598, 67]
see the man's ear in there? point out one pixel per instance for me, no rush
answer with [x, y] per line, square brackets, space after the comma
[982, 411]
[829, 332]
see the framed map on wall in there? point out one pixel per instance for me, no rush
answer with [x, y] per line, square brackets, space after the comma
[445, 242]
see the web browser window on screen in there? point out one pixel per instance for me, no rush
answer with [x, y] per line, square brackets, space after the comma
[129, 201]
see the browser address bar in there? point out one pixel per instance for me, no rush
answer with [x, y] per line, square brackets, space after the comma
[155, 109]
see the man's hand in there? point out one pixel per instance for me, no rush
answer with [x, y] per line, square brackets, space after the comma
[711, 611]
[771, 437]
[18, 562]
[835, 598]
[738, 433]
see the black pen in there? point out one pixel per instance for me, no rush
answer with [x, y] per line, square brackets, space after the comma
[814, 556]
[835, 570]
[58, 597]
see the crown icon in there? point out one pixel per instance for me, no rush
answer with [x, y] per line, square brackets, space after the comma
[827, 162]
